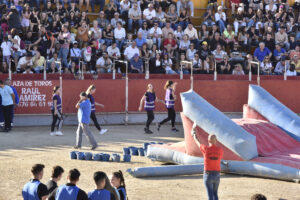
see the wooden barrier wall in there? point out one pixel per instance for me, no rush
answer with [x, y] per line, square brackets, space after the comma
[228, 96]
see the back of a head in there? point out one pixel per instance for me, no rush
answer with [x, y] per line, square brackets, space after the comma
[212, 138]
[258, 197]
[74, 175]
[168, 84]
[57, 171]
[99, 177]
[37, 168]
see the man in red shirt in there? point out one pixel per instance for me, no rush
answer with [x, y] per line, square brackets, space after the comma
[212, 155]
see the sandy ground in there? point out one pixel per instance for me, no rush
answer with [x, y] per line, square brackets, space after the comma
[23, 147]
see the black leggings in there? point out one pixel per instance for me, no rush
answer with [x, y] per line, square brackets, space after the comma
[171, 116]
[7, 114]
[58, 117]
[94, 118]
[150, 118]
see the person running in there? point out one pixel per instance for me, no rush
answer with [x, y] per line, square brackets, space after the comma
[56, 112]
[70, 190]
[118, 181]
[212, 155]
[34, 189]
[149, 100]
[90, 91]
[84, 114]
[57, 173]
[170, 99]
[104, 190]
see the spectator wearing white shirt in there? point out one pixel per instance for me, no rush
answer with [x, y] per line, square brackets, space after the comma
[119, 35]
[25, 61]
[156, 34]
[113, 51]
[6, 49]
[291, 71]
[149, 14]
[130, 51]
[192, 33]
[220, 18]
[134, 17]
[124, 8]
[182, 4]
[116, 19]
[104, 64]
[75, 53]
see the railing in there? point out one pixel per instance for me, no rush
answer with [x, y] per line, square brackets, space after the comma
[191, 77]
[258, 71]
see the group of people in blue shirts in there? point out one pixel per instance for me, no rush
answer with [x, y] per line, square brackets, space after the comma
[105, 189]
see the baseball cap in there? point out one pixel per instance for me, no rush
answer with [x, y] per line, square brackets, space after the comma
[204, 43]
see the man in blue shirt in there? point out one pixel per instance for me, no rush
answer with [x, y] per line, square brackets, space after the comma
[8, 82]
[136, 64]
[261, 52]
[83, 114]
[8, 101]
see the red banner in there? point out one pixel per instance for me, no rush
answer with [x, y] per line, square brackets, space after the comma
[35, 96]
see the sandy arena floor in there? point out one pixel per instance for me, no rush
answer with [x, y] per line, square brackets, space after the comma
[23, 147]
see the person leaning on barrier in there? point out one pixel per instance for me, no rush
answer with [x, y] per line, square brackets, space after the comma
[212, 155]
[34, 189]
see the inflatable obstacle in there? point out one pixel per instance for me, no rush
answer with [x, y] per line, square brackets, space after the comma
[259, 144]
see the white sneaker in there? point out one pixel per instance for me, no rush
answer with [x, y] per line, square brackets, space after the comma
[59, 133]
[52, 134]
[103, 131]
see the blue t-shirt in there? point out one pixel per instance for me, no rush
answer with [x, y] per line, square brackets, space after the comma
[99, 194]
[84, 112]
[140, 42]
[6, 93]
[260, 55]
[16, 95]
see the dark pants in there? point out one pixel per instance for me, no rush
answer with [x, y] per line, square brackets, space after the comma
[171, 116]
[94, 118]
[58, 117]
[7, 114]
[211, 181]
[150, 118]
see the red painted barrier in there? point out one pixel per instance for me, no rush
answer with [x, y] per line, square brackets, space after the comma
[228, 96]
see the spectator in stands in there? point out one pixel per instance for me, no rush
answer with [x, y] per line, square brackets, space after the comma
[131, 50]
[279, 52]
[102, 21]
[185, 4]
[291, 71]
[104, 64]
[280, 17]
[281, 37]
[156, 34]
[108, 35]
[184, 44]
[172, 16]
[256, 4]
[225, 67]
[228, 36]
[134, 18]
[266, 66]
[119, 35]
[124, 8]
[183, 19]
[219, 55]
[238, 70]
[70, 190]
[220, 18]
[270, 42]
[6, 49]
[56, 176]
[192, 33]
[251, 66]
[282, 65]
[64, 39]
[190, 53]
[25, 61]
[261, 52]
[208, 17]
[217, 40]
[239, 20]
[38, 62]
[113, 51]
[116, 19]
[168, 64]
[271, 7]
[136, 64]
[156, 65]
[13, 19]
[149, 14]
[34, 188]
[258, 197]
[166, 30]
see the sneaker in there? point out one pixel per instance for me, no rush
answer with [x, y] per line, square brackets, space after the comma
[59, 133]
[53, 134]
[93, 148]
[102, 131]
[147, 131]
[175, 130]
[158, 126]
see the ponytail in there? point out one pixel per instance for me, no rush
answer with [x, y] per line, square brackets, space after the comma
[55, 89]
[119, 175]
[168, 84]
[90, 88]
[111, 189]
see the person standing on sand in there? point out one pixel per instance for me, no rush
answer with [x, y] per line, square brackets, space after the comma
[212, 155]
[84, 114]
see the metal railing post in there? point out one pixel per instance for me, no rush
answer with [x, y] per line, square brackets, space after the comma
[250, 72]
[191, 77]
[9, 69]
[181, 72]
[285, 75]
[147, 68]
[215, 72]
[114, 70]
[81, 69]
[45, 67]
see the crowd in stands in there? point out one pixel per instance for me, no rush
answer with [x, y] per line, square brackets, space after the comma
[105, 188]
[150, 34]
